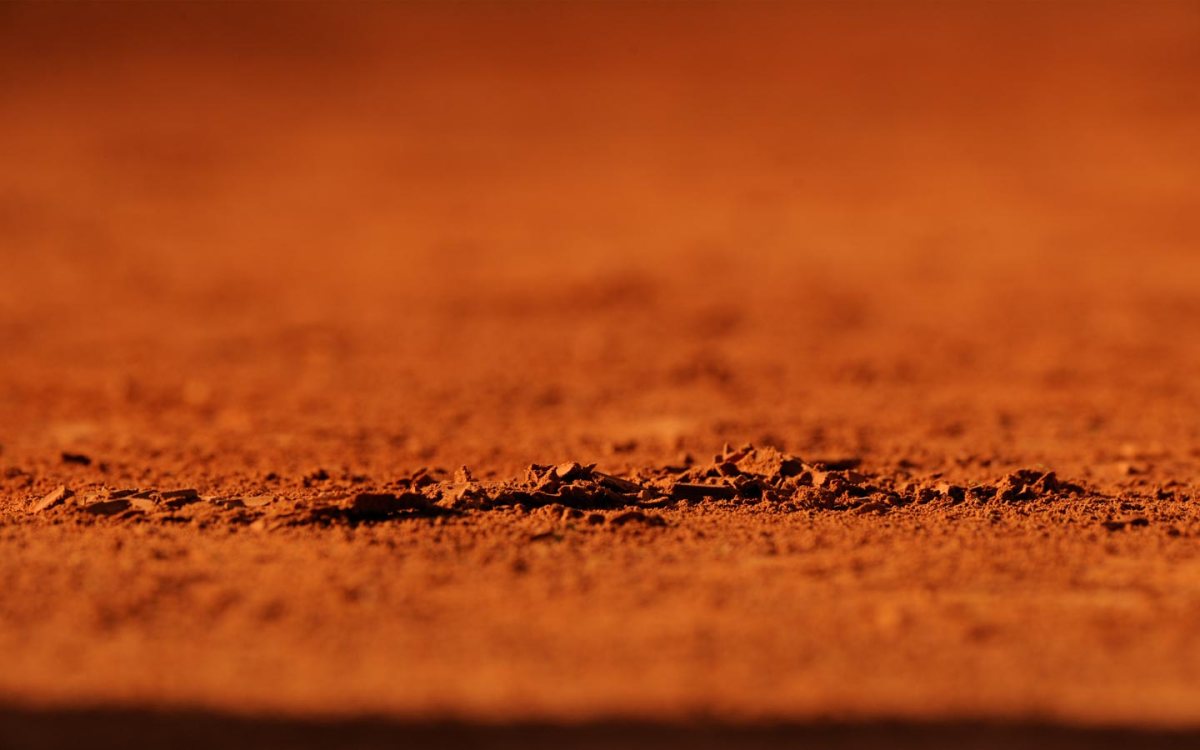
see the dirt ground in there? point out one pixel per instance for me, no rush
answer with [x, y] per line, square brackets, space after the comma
[529, 374]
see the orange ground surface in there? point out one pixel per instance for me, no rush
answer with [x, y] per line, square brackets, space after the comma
[296, 256]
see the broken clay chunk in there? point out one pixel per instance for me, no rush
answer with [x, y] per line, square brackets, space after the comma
[108, 507]
[571, 470]
[57, 497]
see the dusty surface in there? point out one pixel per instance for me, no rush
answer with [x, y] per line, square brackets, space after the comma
[937, 264]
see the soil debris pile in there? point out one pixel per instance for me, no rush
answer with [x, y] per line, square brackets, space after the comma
[735, 476]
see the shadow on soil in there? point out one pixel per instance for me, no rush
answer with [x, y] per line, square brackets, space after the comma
[99, 729]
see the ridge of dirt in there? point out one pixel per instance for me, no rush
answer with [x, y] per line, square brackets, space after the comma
[735, 477]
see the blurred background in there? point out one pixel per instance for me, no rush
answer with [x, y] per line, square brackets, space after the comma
[250, 237]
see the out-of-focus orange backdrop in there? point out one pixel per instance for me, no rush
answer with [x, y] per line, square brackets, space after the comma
[191, 187]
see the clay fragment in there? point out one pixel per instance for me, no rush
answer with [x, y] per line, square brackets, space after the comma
[56, 497]
[109, 507]
[750, 489]
[728, 469]
[1048, 482]
[570, 471]
[1025, 484]
[824, 479]
[180, 498]
[790, 467]
[616, 483]
[464, 496]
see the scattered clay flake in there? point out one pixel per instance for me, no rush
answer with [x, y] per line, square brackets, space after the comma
[746, 475]
[109, 507]
[57, 497]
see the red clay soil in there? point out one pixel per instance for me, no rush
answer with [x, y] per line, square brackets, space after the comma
[600, 366]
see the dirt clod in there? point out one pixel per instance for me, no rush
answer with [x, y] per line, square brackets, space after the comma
[109, 507]
[53, 498]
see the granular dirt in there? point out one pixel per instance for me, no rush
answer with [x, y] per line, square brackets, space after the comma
[855, 349]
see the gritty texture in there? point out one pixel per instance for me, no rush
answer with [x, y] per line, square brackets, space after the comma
[572, 364]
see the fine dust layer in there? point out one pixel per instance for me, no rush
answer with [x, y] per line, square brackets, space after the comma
[647, 363]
